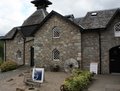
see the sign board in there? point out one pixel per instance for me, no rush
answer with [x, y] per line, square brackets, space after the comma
[94, 67]
[38, 75]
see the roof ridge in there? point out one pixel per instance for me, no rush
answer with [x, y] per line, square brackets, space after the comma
[103, 10]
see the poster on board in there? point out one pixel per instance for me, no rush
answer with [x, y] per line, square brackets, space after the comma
[38, 75]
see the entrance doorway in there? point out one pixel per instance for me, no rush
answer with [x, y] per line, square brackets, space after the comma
[114, 59]
[31, 56]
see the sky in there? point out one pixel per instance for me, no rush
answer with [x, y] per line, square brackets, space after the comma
[14, 12]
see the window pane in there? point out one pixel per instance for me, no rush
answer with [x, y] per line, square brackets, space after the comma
[56, 32]
[56, 54]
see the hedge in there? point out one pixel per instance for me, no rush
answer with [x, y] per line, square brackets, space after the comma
[8, 65]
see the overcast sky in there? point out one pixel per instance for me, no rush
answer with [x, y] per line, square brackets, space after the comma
[14, 12]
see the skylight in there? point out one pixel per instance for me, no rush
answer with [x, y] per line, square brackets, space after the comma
[93, 14]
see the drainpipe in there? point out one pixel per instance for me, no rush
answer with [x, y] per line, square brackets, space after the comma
[24, 51]
[4, 50]
[100, 59]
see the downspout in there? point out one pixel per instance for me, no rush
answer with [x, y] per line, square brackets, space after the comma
[24, 51]
[100, 59]
[81, 64]
[4, 50]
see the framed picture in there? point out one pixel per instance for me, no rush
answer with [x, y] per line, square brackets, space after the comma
[38, 75]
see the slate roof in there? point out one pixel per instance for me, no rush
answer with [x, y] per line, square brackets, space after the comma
[10, 34]
[26, 31]
[78, 20]
[100, 20]
[36, 17]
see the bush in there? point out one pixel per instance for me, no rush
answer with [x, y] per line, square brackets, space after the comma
[8, 65]
[78, 81]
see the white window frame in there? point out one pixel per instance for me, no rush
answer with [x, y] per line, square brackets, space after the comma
[117, 26]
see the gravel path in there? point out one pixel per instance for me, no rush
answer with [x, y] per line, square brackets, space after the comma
[9, 81]
[9, 74]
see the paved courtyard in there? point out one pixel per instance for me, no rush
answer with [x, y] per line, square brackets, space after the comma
[9, 74]
[9, 81]
[105, 83]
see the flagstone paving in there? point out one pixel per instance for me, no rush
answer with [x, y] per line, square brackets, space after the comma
[105, 83]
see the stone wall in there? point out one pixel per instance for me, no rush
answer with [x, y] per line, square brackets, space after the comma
[69, 43]
[12, 46]
[90, 49]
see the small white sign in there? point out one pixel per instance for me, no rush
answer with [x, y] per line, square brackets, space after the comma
[117, 33]
[38, 75]
[94, 67]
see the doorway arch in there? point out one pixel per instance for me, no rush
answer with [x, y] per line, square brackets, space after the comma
[114, 54]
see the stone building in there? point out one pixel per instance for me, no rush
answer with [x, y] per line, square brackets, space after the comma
[50, 39]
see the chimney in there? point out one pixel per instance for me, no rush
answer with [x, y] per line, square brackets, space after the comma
[41, 4]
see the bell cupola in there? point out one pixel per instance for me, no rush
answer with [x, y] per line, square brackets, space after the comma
[41, 4]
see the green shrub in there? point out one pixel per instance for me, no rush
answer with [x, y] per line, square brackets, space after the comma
[78, 81]
[8, 65]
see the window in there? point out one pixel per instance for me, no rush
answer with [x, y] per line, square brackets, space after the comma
[19, 54]
[93, 14]
[56, 54]
[19, 39]
[56, 32]
[117, 29]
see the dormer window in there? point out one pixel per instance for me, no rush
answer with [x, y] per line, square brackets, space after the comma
[117, 29]
[56, 32]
